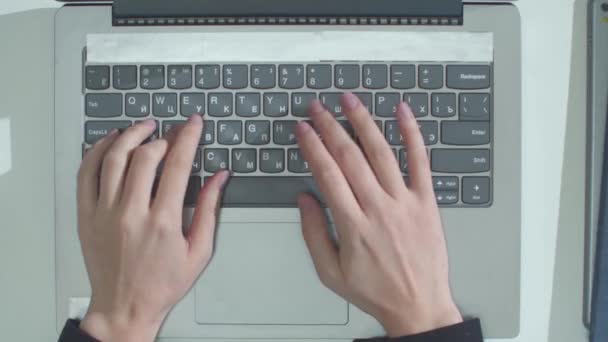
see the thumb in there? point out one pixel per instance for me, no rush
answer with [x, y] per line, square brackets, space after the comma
[322, 248]
[202, 229]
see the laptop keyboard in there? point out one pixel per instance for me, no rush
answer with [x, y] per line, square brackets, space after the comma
[251, 110]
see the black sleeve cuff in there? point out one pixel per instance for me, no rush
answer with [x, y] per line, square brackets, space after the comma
[468, 331]
[72, 333]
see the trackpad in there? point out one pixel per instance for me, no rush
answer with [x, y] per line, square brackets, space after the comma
[261, 273]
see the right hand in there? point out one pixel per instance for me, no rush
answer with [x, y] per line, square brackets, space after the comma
[391, 258]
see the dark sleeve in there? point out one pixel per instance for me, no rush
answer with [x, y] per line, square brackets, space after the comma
[468, 331]
[72, 333]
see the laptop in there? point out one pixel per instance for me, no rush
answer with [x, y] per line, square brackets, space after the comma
[251, 67]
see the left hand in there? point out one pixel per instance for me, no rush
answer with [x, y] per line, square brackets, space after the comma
[139, 262]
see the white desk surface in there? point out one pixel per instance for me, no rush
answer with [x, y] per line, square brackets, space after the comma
[547, 27]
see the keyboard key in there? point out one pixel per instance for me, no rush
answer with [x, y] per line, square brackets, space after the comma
[460, 161]
[220, 104]
[164, 104]
[137, 105]
[97, 77]
[347, 76]
[215, 159]
[95, 130]
[103, 105]
[296, 162]
[257, 132]
[272, 160]
[155, 135]
[168, 126]
[284, 132]
[276, 104]
[418, 102]
[468, 76]
[248, 104]
[443, 105]
[300, 103]
[403, 160]
[446, 197]
[445, 183]
[392, 133]
[319, 76]
[244, 160]
[379, 124]
[194, 187]
[375, 76]
[403, 76]
[180, 76]
[267, 191]
[208, 134]
[476, 190]
[263, 76]
[125, 77]
[475, 107]
[430, 76]
[229, 132]
[386, 104]
[236, 76]
[196, 164]
[152, 77]
[465, 133]
[192, 103]
[348, 127]
[291, 76]
[430, 132]
[367, 100]
[207, 76]
[331, 101]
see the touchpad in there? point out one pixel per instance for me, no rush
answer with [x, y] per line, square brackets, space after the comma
[261, 273]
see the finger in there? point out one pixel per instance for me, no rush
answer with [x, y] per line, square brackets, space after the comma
[348, 156]
[379, 154]
[418, 163]
[323, 251]
[142, 173]
[114, 166]
[329, 177]
[88, 174]
[202, 229]
[178, 166]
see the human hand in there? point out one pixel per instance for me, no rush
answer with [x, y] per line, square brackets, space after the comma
[391, 259]
[138, 260]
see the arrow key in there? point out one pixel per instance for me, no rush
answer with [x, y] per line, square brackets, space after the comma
[446, 197]
[445, 183]
[476, 190]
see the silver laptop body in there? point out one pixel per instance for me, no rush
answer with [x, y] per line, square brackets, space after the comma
[261, 283]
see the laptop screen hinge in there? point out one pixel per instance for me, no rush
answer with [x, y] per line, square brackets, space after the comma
[286, 12]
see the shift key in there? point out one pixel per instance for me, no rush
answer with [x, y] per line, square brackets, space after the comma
[460, 160]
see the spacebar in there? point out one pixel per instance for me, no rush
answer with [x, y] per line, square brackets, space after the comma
[267, 192]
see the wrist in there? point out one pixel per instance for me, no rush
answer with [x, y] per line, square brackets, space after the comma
[410, 321]
[120, 328]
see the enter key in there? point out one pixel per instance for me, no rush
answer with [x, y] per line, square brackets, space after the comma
[465, 133]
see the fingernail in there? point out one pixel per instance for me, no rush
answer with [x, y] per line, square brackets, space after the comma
[403, 111]
[316, 107]
[224, 176]
[305, 201]
[303, 127]
[351, 101]
[195, 118]
[148, 122]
